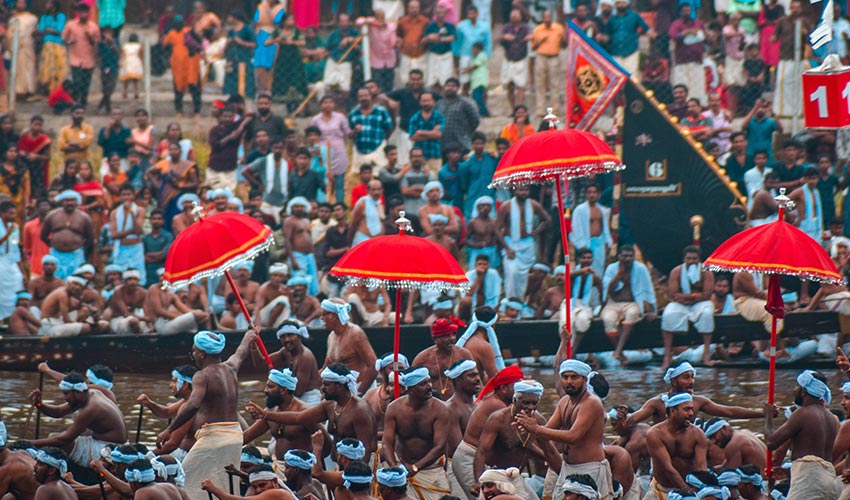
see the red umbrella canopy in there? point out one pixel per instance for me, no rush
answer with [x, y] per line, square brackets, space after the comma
[212, 245]
[401, 261]
[551, 154]
[775, 248]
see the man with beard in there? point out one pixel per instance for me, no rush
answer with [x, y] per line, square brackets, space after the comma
[347, 415]
[265, 120]
[740, 446]
[348, 344]
[300, 359]
[380, 396]
[442, 355]
[224, 140]
[280, 396]
[721, 296]
[516, 220]
[264, 484]
[97, 421]
[497, 394]
[296, 230]
[220, 198]
[16, 470]
[304, 306]
[272, 305]
[63, 313]
[213, 405]
[415, 435]
[811, 431]
[76, 139]
[142, 479]
[503, 444]
[297, 467]
[69, 233]
[170, 314]
[41, 286]
[127, 305]
[466, 383]
[182, 439]
[426, 129]
[676, 447]
[50, 465]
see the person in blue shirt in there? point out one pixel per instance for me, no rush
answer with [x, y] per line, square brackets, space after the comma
[760, 128]
[624, 28]
[469, 31]
[438, 38]
[475, 174]
[426, 130]
[448, 175]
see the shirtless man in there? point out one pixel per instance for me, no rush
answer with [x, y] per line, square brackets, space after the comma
[63, 313]
[750, 294]
[300, 359]
[515, 220]
[128, 305]
[811, 431]
[622, 470]
[392, 483]
[98, 377]
[366, 304]
[16, 470]
[380, 396]
[676, 447]
[503, 444]
[477, 339]
[299, 242]
[367, 216]
[280, 396]
[590, 227]
[466, 383]
[632, 438]
[213, 405]
[740, 446]
[764, 207]
[247, 289]
[497, 394]
[842, 441]
[97, 421]
[809, 206]
[41, 286]
[483, 236]
[553, 296]
[750, 482]
[142, 479]
[181, 440]
[441, 356]
[579, 422]
[264, 483]
[348, 416]
[69, 233]
[184, 219]
[415, 434]
[50, 465]
[433, 194]
[22, 321]
[347, 343]
[304, 306]
[170, 315]
[126, 227]
[272, 301]
[439, 235]
[297, 467]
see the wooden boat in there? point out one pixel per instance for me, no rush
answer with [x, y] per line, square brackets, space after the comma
[158, 354]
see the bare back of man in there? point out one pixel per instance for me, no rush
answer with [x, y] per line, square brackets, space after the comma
[482, 353]
[22, 322]
[55, 490]
[16, 474]
[158, 491]
[764, 205]
[352, 348]
[622, 469]
[744, 448]
[58, 304]
[479, 417]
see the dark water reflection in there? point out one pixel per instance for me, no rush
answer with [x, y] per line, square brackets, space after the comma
[728, 386]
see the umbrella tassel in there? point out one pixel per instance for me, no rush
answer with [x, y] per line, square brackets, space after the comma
[260, 344]
[565, 243]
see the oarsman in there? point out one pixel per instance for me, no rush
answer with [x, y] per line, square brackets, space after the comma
[142, 479]
[170, 315]
[622, 473]
[347, 415]
[497, 394]
[842, 441]
[41, 286]
[392, 483]
[112, 470]
[586, 295]
[348, 344]
[50, 465]
[168, 469]
[690, 287]
[98, 377]
[347, 450]
[415, 434]
[299, 242]
[367, 215]
[442, 355]
[516, 221]
[750, 482]
[305, 307]
[740, 446]
[590, 228]
[264, 484]
[69, 233]
[503, 444]
[295, 356]
[580, 487]
[357, 481]
[380, 396]
[297, 467]
[183, 438]
[811, 431]
[632, 438]
[501, 484]
[280, 397]
[480, 339]
[97, 421]
[676, 447]
[579, 422]
[128, 305]
[63, 313]
[213, 405]
[16, 470]
[272, 306]
[466, 383]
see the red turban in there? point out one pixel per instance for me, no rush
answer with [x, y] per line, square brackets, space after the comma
[509, 375]
[443, 327]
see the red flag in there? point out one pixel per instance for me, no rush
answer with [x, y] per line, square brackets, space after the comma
[775, 305]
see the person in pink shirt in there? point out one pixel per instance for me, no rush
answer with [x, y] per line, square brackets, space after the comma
[382, 54]
[81, 36]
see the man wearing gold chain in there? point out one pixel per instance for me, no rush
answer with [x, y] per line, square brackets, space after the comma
[442, 355]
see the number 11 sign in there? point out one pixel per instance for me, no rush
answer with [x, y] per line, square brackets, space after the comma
[826, 98]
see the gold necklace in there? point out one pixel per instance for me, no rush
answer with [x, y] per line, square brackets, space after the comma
[518, 434]
[444, 386]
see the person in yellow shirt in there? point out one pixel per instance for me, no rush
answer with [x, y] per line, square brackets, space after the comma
[547, 39]
[76, 138]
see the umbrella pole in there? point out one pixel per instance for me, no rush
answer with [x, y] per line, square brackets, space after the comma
[260, 344]
[770, 387]
[565, 243]
[396, 341]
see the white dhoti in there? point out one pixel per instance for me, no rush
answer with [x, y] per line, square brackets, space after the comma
[179, 454]
[693, 75]
[11, 282]
[656, 491]
[266, 311]
[462, 468]
[752, 309]
[376, 157]
[337, 74]
[401, 140]
[217, 445]
[734, 72]
[630, 62]
[838, 302]
[122, 324]
[599, 471]
[549, 484]
[407, 64]
[515, 72]
[311, 398]
[788, 97]
[676, 317]
[183, 323]
[516, 269]
[86, 449]
[55, 327]
[845, 489]
[454, 485]
[441, 67]
[580, 317]
[812, 478]
[374, 318]
[634, 491]
[430, 483]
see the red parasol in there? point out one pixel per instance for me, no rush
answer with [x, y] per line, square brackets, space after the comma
[777, 248]
[401, 262]
[556, 155]
[211, 247]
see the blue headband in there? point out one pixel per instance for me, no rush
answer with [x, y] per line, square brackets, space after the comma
[284, 378]
[140, 476]
[94, 379]
[57, 463]
[481, 200]
[713, 491]
[414, 376]
[574, 365]
[512, 304]
[294, 460]
[188, 197]
[672, 373]
[245, 264]
[473, 327]
[729, 478]
[754, 479]
[716, 426]
[813, 386]
[434, 218]
[695, 481]
[559, 270]
[113, 268]
[677, 399]
[164, 471]
[461, 368]
[389, 359]
[298, 200]
[239, 206]
[210, 342]
[299, 279]
[429, 186]
[392, 478]
[68, 195]
[49, 259]
[124, 458]
[251, 459]
[2, 434]
[215, 193]
[846, 388]
[341, 310]
[348, 479]
[528, 386]
[85, 268]
[297, 330]
[23, 295]
[612, 414]
[67, 386]
[675, 495]
[776, 495]
[181, 379]
[542, 267]
[349, 380]
[351, 451]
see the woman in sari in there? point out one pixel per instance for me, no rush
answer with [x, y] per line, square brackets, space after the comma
[173, 133]
[15, 182]
[68, 178]
[290, 79]
[94, 197]
[34, 150]
[519, 127]
[172, 177]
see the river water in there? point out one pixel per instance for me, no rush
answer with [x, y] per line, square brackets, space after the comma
[742, 387]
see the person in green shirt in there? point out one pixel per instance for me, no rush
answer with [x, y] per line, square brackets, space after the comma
[479, 77]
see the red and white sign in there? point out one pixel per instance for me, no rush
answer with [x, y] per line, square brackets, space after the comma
[826, 98]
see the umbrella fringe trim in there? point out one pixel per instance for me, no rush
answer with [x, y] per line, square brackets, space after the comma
[437, 286]
[544, 175]
[773, 270]
[250, 254]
